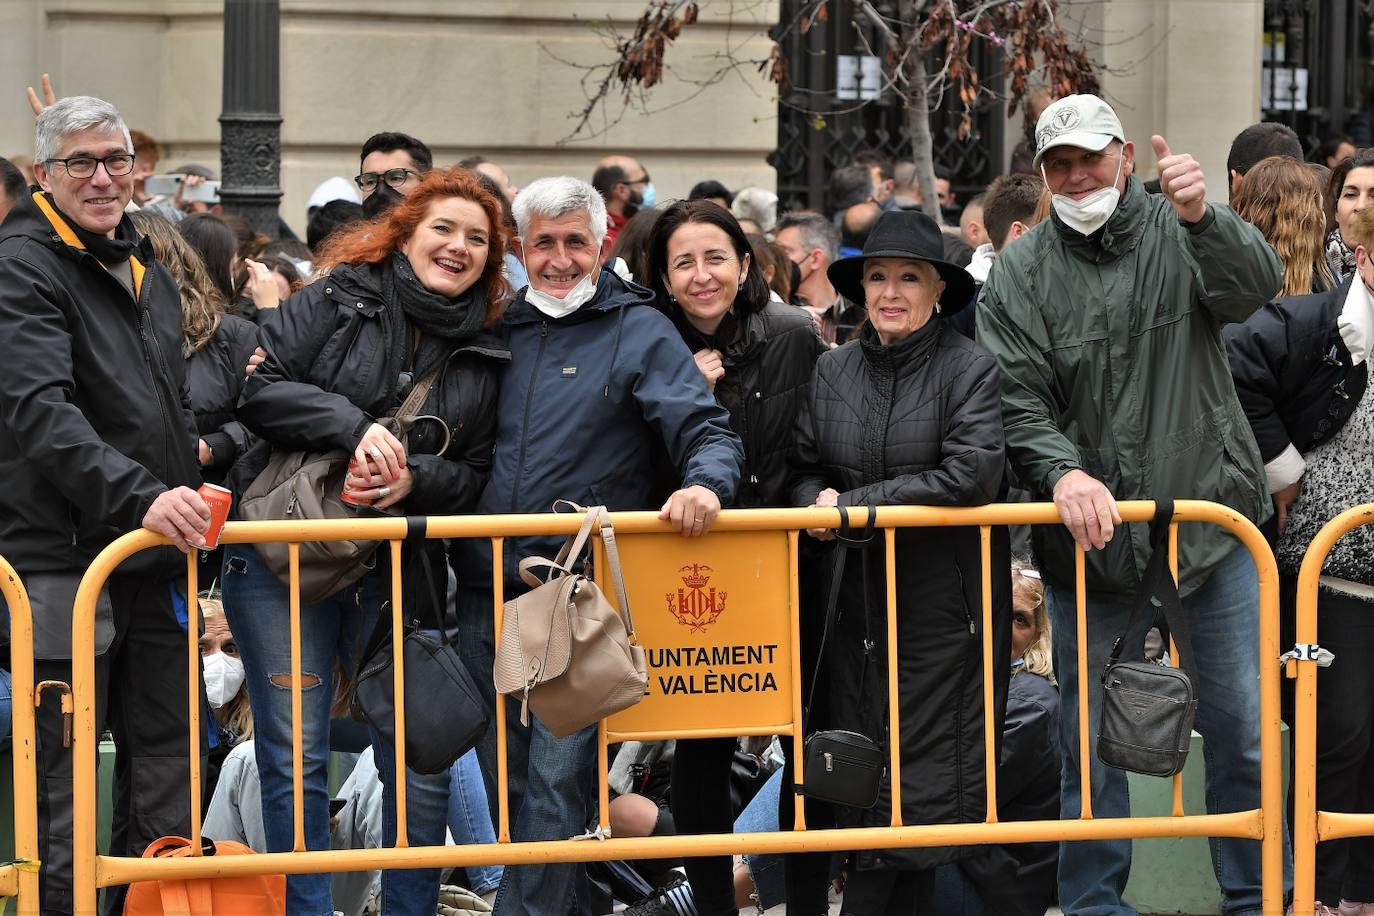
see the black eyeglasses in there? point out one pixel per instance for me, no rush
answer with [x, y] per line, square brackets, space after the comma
[84, 166]
[644, 180]
[395, 178]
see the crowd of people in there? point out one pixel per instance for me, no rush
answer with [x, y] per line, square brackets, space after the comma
[1075, 333]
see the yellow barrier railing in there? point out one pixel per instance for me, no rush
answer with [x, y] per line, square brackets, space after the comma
[647, 542]
[1311, 826]
[20, 877]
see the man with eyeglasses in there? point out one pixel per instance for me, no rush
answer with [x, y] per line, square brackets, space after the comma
[96, 439]
[392, 165]
[1106, 323]
[625, 187]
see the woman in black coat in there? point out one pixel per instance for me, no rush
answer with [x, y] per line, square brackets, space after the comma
[907, 413]
[757, 356]
[215, 344]
[1301, 368]
[405, 298]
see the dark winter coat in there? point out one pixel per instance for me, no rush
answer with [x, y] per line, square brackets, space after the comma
[1019, 879]
[215, 374]
[767, 368]
[915, 423]
[1113, 364]
[94, 414]
[328, 376]
[1293, 372]
[585, 402]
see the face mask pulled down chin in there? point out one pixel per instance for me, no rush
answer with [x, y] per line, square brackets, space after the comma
[554, 307]
[382, 199]
[223, 678]
[1088, 214]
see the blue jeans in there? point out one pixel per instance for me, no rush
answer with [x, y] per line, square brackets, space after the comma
[5, 710]
[1223, 616]
[551, 781]
[761, 816]
[955, 893]
[257, 607]
[469, 818]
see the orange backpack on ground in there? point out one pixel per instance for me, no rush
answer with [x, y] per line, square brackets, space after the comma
[239, 895]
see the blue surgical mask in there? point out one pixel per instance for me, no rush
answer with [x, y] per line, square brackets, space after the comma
[647, 197]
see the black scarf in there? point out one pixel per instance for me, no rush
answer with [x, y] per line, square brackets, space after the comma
[107, 250]
[444, 323]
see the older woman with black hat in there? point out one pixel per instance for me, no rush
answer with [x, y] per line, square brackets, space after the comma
[907, 413]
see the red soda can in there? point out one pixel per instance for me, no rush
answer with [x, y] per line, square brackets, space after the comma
[347, 494]
[218, 499]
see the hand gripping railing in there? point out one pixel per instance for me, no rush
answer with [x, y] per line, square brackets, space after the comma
[20, 877]
[646, 542]
[1311, 826]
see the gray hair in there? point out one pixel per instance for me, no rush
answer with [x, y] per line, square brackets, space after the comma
[553, 197]
[72, 115]
[816, 232]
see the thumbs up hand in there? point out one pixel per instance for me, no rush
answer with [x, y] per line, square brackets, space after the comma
[1181, 181]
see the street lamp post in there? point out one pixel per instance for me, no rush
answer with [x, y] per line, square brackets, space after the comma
[250, 125]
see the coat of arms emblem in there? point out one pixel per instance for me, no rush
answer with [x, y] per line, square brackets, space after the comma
[697, 606]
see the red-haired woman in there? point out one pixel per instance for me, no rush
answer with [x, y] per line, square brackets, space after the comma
[402, 297]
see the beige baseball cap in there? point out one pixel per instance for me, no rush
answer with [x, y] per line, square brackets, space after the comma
[1084, 121]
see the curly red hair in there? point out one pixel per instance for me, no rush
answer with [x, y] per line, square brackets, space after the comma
[374, 241]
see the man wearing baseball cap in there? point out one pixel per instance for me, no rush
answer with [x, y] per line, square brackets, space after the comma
[1106, 321]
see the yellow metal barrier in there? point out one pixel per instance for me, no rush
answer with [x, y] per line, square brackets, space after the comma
[20, 877]
[756, 551]
[1311, 826]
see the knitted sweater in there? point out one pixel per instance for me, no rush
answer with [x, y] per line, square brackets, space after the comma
[1336, 478]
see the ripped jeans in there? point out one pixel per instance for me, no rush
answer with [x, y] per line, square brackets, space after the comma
[257, 607]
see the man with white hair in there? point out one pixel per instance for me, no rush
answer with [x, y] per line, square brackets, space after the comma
[1106, 323]
[97, 438]
[600, 391]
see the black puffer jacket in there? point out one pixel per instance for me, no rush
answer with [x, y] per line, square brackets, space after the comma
[215, 374]
[916, 423]
[767, 368]
[1293, 373]
[1019, 879]
[94, 418]
[328, 376]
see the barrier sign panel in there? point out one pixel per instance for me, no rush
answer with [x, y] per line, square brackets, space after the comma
[714, 617]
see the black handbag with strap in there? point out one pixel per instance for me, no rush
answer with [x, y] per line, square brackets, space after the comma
[841, 767]
[1148, 708]
[445, 715]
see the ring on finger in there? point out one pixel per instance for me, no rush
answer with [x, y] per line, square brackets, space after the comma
[375, 452]
[383, 492]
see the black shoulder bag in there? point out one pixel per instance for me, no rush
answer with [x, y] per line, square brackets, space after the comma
[841, 767]
[445, 713]
[1147, 708]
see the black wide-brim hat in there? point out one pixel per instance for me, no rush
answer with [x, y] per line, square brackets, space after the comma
[912, 236]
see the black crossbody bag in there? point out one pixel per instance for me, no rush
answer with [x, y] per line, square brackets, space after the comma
[445, 714]
[841, 767]
[1148, 708]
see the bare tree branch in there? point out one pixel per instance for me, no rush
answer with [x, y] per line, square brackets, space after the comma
[926, 53]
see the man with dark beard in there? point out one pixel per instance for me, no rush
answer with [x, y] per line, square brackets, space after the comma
[392, 165]
[625, 186]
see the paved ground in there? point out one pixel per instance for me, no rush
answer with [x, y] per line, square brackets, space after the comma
[781, 910]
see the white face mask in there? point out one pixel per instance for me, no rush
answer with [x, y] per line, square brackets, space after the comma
[554, 307]
[223, 678]
[1088, 214]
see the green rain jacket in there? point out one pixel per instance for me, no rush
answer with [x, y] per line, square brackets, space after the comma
[1113, 363]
